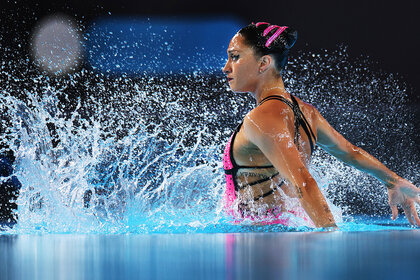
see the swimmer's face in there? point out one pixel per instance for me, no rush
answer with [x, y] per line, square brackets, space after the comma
[242, 66]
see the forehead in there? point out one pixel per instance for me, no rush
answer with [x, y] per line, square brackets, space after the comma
[237, 44]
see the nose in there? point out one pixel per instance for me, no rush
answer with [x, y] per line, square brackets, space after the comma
[227, 68]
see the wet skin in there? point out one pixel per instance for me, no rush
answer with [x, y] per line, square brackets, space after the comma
[266, 138]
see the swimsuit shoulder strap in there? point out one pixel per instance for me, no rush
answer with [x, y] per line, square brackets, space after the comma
[305, 125]
[300, 119]
[304, 119]
[277, 97]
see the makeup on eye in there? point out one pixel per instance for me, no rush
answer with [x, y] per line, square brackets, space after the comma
[234, 57]
[233, 54]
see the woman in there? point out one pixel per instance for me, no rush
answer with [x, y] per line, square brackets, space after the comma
[266, 159]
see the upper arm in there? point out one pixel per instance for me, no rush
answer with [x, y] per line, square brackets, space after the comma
[332, 141]
[272, 132]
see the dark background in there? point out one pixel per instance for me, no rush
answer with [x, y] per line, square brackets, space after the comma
[385, 31]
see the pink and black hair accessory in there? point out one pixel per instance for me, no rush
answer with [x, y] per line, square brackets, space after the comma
[276, 34]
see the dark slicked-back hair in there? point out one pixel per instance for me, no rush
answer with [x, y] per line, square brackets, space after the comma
[267, 39]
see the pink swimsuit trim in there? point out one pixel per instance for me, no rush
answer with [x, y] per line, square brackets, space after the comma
[230, 194]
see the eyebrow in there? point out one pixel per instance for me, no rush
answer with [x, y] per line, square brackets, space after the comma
[232, 50]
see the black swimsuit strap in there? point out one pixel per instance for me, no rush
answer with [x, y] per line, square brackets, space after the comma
[236, 167]
[278, 97]
[300, 119]
[232, 159]
[261, 180]
[269, 192]
[304, 118]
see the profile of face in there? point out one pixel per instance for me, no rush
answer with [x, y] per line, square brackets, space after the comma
[242, 67]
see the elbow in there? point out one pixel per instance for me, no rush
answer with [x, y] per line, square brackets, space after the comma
[354, 155]
[349, 153]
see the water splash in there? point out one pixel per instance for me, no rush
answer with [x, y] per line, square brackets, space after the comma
[103, 154]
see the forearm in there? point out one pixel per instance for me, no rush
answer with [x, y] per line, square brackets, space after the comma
[335, 144]
[365, 162]
[315, 204]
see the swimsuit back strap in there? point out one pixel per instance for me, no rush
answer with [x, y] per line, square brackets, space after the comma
[305, 125]
[292, 106]
[270, 192]
[300, 119]
[304, 118]
[263, 180]
[278, 97]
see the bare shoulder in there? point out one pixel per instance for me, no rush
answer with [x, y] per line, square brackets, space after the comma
[313, 116]
[307, 109]
[269, 117]
[270, 110]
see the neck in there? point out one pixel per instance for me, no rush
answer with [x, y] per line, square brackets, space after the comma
[274, 86]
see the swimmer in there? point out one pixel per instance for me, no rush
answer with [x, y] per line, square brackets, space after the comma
[266, 159]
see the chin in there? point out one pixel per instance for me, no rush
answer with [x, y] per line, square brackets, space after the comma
[235, 90]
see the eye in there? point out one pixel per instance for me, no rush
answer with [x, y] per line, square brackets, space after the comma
[234, 57]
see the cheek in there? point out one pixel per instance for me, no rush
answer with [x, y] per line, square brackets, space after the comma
[244, 70]
[249, 73]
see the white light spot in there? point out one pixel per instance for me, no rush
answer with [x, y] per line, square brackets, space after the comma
[56, 45]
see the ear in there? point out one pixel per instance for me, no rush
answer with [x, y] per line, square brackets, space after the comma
[265, 63]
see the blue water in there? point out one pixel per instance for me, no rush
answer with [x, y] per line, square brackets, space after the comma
[336, 255]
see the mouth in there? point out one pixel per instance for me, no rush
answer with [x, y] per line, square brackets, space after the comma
[229, 79]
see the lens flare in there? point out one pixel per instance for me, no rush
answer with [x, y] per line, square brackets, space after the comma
[56, 45]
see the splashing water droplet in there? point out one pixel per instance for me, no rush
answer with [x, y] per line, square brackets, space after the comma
[96, 153]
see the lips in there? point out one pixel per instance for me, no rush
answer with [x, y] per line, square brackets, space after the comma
[229, 79]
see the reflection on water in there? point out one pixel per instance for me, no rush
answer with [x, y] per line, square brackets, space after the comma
[337, 255]
[324, 255]
[112, 256]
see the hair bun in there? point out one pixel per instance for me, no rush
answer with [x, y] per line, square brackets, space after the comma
[274, 40]
[291, 37]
